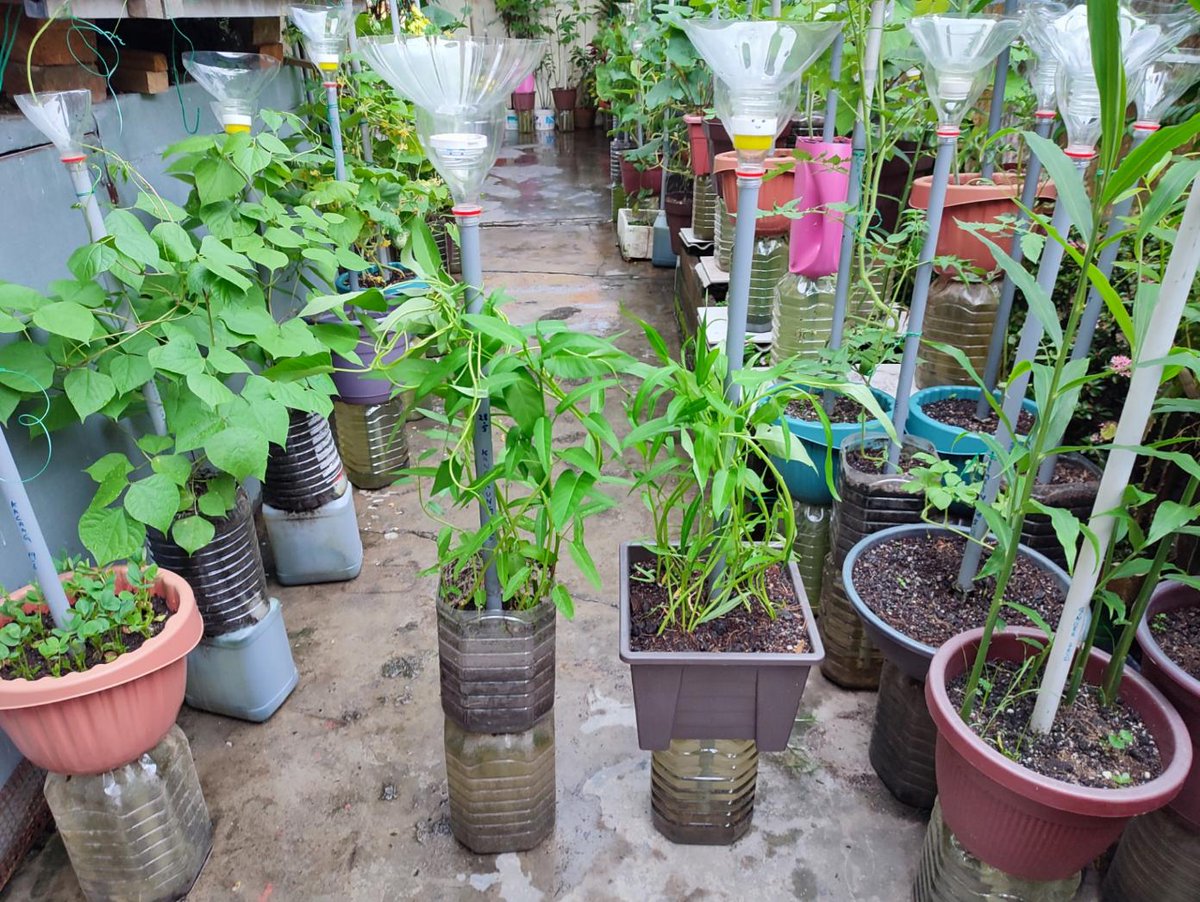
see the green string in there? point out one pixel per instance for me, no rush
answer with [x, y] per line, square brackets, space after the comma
[175, 30]
[29, 420]
[8, 40]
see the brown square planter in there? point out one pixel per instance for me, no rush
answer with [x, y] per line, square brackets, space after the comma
[715, 695]
[497, 667]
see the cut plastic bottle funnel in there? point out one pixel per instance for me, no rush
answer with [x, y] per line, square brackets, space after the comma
[325, 29]
[62, 116]
[235, 81]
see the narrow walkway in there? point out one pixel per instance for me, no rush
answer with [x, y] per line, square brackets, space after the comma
[342, 795]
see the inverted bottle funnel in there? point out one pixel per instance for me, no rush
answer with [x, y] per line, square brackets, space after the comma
[235, 80]
[459, 86]
[1043, 68]
[325, 29]
[958, 51]
[757, 67]
[1164, 82]
[62, 116]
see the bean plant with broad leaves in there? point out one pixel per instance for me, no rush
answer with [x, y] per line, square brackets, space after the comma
[547, 387]
[182, 295]
[1158, 179]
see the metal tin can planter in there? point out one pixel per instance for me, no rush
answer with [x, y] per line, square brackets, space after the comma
[497, 667]
[704, 209]
[141, 831]
[807, 483]
[767, 266]
[714, 695]
[952, 443]
[1157, 860]
[226, 575]
[962, 315]
[949, 873]
[702, 790]
[247, 674]
[501, 786]
[809, 549]
[371, 440]
[802, 318]
[1017, 820]
[851, 661]
[1077, 497]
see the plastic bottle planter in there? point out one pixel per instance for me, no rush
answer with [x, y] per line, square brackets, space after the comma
[807, 483]
[371, 441]
[952, 443]
[141, 831]
[851, 661]
[949, 873]
[308, 507]
[1181, 689]
[702, 790]
[802, 317]
[723, 228]
[497, 667]
[1077, 497]
[1157, 860]
[714, 695]
[226, 575]
[767, 266]
[441, 234]
[678, 207]
[903, 730]
[704, 209]
[963, 316]
[812, 543]
[108, 715]
[24, 815]
[247, 674]
[501, 786]
[1027, 825]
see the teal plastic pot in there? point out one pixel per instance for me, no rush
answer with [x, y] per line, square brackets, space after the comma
[342, 283]
[807, 484]
[951, 442]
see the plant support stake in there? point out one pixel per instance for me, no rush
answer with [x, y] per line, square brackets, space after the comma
[1143, 386]
[748, 184]
[829, 127]
[996, 111]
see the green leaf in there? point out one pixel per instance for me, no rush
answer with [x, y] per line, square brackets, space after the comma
[1169, 518]
[1139, 161]
[209, 389]
[179, 355]
[226, 362]
[89, 294]
[111, 472]
[1104, 30]
[1066, 528]
[153, 501]
[109, 534]
[583, 560]
[174, 241]
[66, 318]
[217, 180]
[192, 533]
[561, 597]
[88, 390]
[1068, 182]
[239, 451]
[91, 260]
[132, 239]
[25, 367]
[129, 371]
[176, 467]
[268, 257]
[1036, 296]
[1170, 188]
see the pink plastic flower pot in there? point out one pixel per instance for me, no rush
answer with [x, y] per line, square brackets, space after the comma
[1021, 822]
[822, 180]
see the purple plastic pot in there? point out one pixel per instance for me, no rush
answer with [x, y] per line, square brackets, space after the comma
[819, 183]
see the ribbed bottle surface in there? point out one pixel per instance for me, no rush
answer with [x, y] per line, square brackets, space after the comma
[1158, 860]
[802, 316]
[140, 832]
[904, 739]
[501, 787]
[226, 575]
[851, 660]
[704, 208]
[767, 266]
[960, 315]
[812, 542]
[723, 228]
[702, 790]
[372, 441]
[308, 472]
[949, 873]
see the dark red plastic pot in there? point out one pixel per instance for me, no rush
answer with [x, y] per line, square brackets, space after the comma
[698, 143]
[679, 216]
[524, 100]
[1180, 688]
[714, 695]
[716, 138]
[1025, 824]
[564, 98]
[634, 180]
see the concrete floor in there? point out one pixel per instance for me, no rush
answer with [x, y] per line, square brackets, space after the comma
[342, 795]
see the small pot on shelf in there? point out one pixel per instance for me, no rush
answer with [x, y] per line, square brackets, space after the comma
[564, 98]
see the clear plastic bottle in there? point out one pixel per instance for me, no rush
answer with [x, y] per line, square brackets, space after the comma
[140, 833]
[808, 551]
[723, 228]
[704, 208]
[802, 316]
[962, 315]
[372, 441]
[767, 267]
[903, 739]
[702, 790]
[1158, 860]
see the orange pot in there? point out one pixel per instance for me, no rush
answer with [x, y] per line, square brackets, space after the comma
[776, 190]
[971, 201]
[698, 143]
[102, 718]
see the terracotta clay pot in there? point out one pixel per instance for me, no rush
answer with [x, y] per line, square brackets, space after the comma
[701, 164]
[634, 180]
[564, 98]
[1021, 822]
[107, 716]
[1180, 688]
[776, 190]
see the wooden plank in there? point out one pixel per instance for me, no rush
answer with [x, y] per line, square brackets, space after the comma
[265, 30]
[143, 60]
[139, 81]
[272, 50]
[54, 78]
[58, 45]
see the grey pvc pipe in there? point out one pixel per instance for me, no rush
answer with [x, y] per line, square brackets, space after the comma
[1095, 303]
[916, 310]
[831, 102]
[472, 273]
[841, 294]
[739, 279]
[1014, 392]
[988, 164]
[1033, 174]
[339, 153]
[394, 11]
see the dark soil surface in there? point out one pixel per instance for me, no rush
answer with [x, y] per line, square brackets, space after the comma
[93, 657]
[845, 410]
[1071, 472]
[960, 412]
[910, 583]
[1177, 633]
[744, 629]
[876, 463]
[458, 591]
[1089, 745]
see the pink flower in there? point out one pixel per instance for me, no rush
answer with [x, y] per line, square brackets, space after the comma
[1121, 365]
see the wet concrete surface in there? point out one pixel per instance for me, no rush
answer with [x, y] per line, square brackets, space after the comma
[342, 794]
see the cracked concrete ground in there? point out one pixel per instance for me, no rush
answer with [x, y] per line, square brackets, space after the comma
[342, 795]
